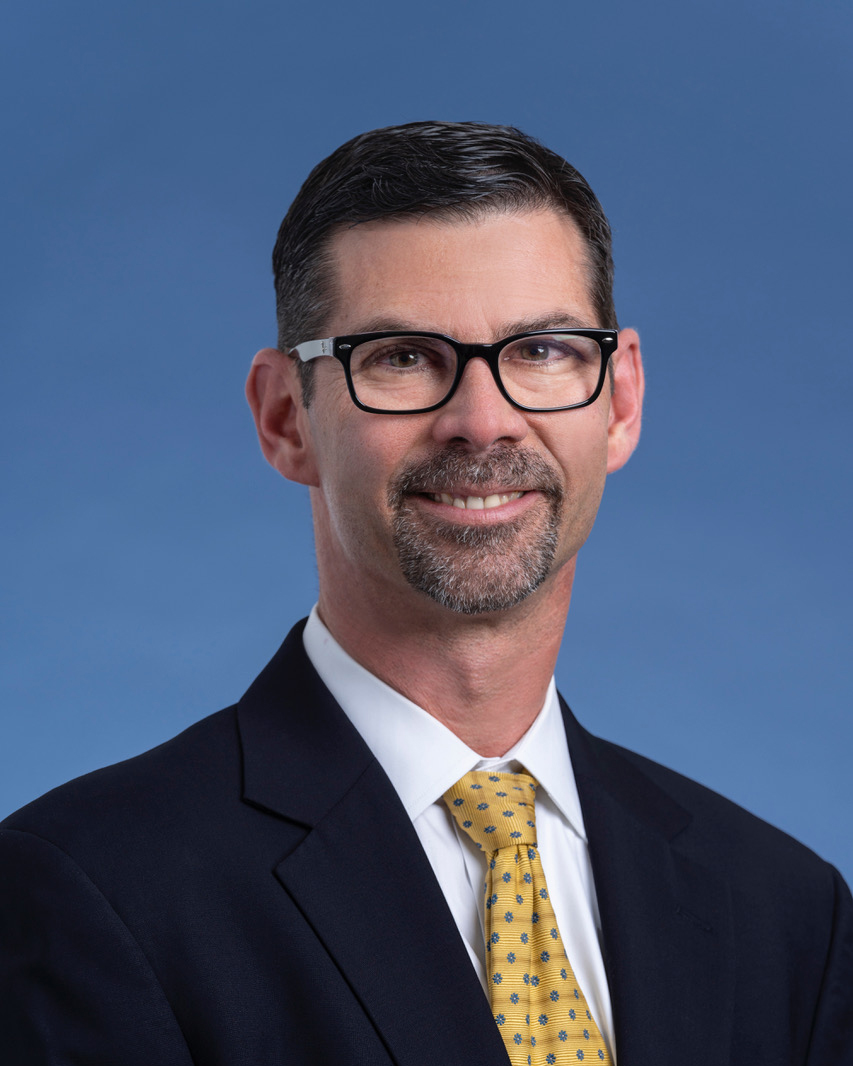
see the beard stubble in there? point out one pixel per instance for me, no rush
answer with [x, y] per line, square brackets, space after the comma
[477, 569]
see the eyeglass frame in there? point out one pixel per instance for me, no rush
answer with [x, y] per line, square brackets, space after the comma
[341, 348]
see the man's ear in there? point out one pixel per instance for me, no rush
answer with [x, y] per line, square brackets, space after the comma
[275, 397]
[626, 400]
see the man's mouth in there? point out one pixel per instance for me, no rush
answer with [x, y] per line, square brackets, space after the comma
[509, 477]
[475, 503]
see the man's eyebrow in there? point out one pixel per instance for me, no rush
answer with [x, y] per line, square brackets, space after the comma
[389, 325]
[550, 320]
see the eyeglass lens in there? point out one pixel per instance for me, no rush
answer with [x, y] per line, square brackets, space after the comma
[407, 373]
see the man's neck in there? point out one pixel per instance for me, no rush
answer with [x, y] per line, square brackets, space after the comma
[485, 677]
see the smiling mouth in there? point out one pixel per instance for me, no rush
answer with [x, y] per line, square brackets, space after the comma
[475, 503]
[452, 477]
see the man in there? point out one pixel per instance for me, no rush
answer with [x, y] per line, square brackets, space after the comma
[400, 846]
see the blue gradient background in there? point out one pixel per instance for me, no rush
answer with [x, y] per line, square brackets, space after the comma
[152, 562]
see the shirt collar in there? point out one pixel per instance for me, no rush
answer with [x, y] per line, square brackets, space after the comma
[420, 755]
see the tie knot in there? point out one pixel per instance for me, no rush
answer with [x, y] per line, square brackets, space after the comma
[495, 810]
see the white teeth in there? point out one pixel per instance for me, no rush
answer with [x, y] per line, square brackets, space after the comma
[476, 503]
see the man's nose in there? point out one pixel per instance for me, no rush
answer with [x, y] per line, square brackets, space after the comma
[478, 414]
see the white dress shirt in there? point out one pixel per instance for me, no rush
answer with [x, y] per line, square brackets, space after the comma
[423, 758]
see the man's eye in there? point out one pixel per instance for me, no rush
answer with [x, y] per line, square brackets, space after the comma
[540, 353]
[537, 352]
[403, 359]
[551, 351]
[404, 355]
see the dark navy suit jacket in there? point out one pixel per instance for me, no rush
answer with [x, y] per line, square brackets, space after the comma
[252, 893]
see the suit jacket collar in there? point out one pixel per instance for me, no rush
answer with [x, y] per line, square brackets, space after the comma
[359, 874]
[666, 920]
[301, 754]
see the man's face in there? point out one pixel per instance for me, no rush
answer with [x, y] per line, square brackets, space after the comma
[477, 504]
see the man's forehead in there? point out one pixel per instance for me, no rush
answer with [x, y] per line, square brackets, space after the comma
[401, 274]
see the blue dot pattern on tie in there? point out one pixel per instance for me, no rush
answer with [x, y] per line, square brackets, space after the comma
[529, 973]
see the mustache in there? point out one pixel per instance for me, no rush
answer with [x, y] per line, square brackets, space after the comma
[506, 464]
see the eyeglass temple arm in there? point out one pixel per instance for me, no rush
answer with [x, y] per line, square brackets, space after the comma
[314, 349]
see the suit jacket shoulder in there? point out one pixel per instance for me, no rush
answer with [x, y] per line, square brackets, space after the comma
[742, 847]
[739, 919]
[250, 893]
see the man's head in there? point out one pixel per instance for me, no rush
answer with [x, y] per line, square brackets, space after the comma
[477, 503]
[447, 170]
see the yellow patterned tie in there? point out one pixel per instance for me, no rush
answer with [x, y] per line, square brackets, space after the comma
[537, 1003]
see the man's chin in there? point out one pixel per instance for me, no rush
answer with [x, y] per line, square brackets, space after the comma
[474, 570]
[475, 601]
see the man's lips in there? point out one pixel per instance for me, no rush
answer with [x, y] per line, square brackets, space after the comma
[466, 507]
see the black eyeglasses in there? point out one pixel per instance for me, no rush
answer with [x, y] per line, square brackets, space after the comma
[412, 373]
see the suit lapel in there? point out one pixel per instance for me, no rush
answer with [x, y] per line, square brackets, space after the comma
[363, 883]
[666, 920]
[359, 875]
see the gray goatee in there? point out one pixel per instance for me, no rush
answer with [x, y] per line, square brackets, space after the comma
[475, 569]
